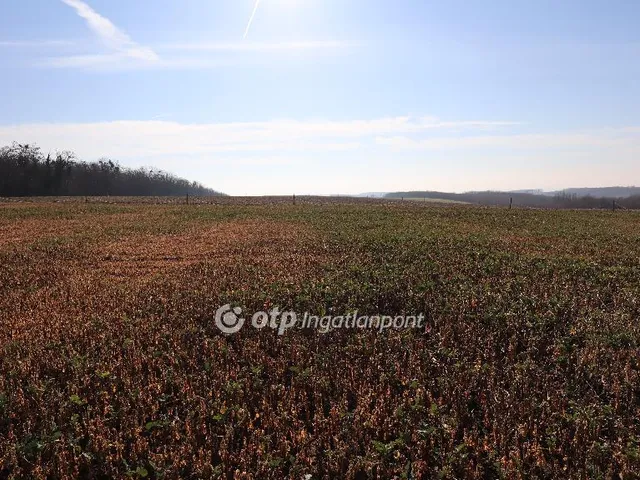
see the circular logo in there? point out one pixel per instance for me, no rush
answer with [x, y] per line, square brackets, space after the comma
[228, 319]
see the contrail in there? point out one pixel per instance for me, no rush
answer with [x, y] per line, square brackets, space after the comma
[255, 9]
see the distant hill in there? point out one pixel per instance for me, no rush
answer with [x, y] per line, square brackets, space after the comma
[562, 199]
[613, 192]
[597, 192]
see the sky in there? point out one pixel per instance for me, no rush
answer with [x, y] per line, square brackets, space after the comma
[331, 96]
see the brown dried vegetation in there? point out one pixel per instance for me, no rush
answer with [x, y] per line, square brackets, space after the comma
[111, 365]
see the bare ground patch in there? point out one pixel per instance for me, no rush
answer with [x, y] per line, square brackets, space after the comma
[253, 242]
[26, 231]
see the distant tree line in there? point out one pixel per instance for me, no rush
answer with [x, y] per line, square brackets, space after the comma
[559, 200]
[26, 171]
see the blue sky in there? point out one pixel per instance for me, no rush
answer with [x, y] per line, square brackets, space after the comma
[332, 96]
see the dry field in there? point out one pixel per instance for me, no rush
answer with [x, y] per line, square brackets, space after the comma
[111, 365]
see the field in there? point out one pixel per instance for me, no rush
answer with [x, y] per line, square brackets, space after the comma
[429, 200]
[111, 365]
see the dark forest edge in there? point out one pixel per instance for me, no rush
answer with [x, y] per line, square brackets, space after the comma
[26, 172]
[559, 200]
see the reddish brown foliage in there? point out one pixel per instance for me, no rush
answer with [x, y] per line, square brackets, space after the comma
[111, 365]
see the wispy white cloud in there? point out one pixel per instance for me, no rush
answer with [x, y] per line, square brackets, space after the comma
[117, 62]
[205, 55]
[114, 61]
[122, 49]
[389, 153]
[605, 138]
[149, 138]
[36, 43]
[109, 34]
[121, 52]
[257, 46]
